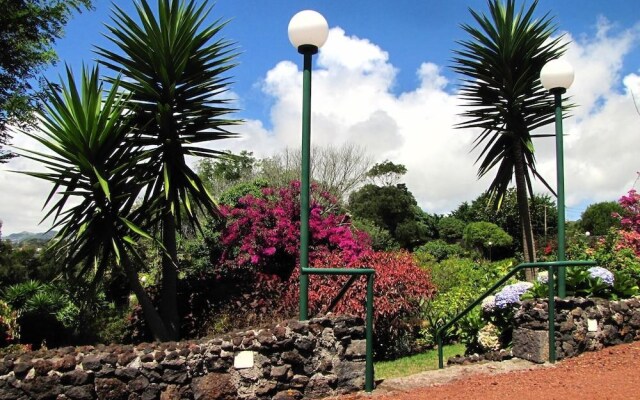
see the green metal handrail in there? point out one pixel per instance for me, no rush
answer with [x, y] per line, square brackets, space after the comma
[370, 274]
[551, 265]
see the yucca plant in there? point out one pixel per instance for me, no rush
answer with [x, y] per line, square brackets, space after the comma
[501, 62]
[173, 68]
[92, 163]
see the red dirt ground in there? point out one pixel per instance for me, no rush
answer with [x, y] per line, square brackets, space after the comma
[611, 374]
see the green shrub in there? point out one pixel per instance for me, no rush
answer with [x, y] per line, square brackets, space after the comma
[451, 229]
[459, 282]
[485, 235]
[45, 313]
[441, 250]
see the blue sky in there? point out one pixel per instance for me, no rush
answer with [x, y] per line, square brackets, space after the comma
[383, 81]
[412, 31]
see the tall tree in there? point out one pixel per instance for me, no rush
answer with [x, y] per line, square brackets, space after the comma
[28, 30]
[337, 169]
[501, 63]
[598, 218]
[173, 65]
[92, 165]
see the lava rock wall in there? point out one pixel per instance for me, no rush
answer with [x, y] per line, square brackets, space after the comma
[292, 360]
[581, 325]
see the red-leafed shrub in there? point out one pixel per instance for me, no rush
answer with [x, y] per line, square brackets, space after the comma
[399, 286]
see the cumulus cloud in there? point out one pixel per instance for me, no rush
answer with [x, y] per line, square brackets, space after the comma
[354, 101]
[604, 128]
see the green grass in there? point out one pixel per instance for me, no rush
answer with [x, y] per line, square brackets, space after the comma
[414, 364]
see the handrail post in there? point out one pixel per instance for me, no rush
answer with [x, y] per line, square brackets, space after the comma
[551, 312]
[368, 378]
[370, 274]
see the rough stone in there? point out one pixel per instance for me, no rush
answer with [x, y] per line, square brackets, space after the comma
[213, 386]
[111, 389]
[76, 378]
[319, 385]
[289, 394]
[42, 387]
[91, 362]
[356, 349]
[531, 345]
[84, 392]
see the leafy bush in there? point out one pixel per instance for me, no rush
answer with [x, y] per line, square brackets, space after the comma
[451, 229]
[441, 250]
[399, 287]
[589, 282]
[9, 332]
[45, 312]
[486, 235]
[459, 281]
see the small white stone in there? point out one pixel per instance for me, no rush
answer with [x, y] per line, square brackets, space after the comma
[592, 325]
[243, 359]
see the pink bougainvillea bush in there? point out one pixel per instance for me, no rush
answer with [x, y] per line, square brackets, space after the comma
[263, 233]
[630, 221]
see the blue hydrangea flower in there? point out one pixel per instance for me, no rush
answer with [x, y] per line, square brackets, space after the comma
[602, 273]
[510, 294]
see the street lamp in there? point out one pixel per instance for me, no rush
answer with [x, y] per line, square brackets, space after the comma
[308, 31]
[557, 76]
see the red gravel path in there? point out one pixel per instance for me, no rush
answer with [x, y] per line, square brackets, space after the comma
[611, 374]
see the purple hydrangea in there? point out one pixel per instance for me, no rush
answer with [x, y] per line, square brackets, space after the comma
[602, 273]
[488, 304]
[510, 294]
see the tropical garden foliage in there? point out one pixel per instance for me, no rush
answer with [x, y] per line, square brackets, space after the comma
[208, 249]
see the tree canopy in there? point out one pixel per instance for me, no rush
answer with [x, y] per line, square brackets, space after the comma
[598, 218]
[28, 30]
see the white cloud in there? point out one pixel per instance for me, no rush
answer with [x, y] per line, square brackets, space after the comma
[604, 130]
[353, 101]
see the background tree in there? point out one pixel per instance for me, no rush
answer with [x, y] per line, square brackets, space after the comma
[598, 218]
[386, 173]
[228, 170]
[173, 66]
[544, 217]
[501, 64]
[337, 169]
[393, 209]
[28, 31]
[450, 229]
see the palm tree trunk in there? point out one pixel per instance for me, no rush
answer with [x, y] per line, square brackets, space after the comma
[151, 315]
[528, 244]
[169, 298]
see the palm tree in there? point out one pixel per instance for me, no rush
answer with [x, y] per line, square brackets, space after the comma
[93, 166]
[502, 63]
[173, 68]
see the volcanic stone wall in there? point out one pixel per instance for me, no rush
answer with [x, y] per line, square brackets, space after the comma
[292, 360]
[580, 325]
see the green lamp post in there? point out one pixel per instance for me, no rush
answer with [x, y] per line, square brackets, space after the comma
[308, 31]
[557, 76]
